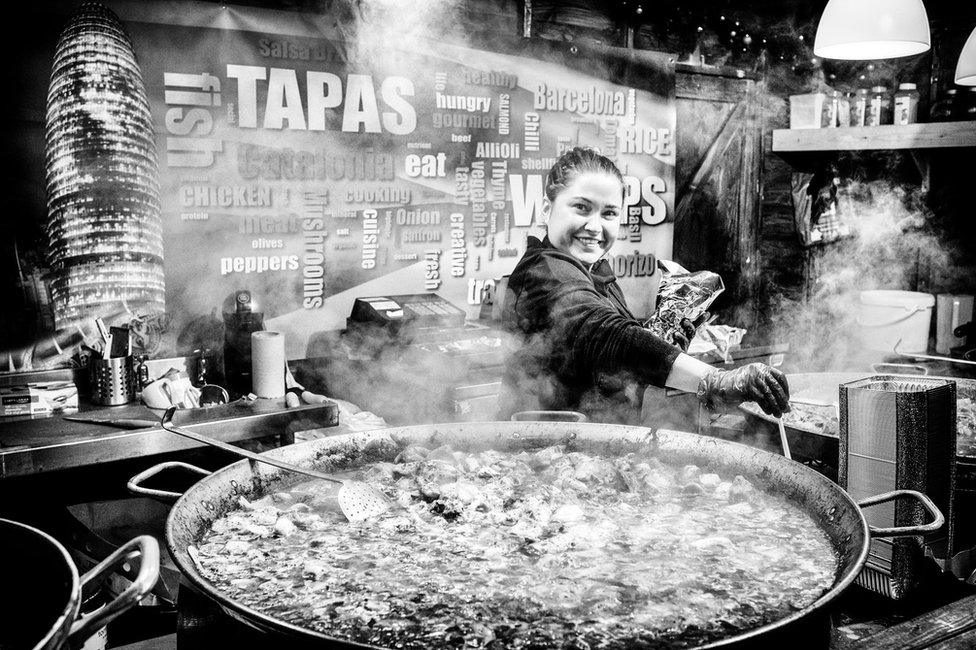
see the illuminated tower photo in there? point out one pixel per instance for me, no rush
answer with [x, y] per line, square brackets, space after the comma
[104, 232]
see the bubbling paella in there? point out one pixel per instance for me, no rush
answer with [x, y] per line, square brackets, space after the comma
[546, 548]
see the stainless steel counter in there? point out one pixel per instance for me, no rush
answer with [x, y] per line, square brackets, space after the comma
[35, 446]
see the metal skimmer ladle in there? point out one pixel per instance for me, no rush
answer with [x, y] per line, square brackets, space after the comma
[357, 500]
[782, 438]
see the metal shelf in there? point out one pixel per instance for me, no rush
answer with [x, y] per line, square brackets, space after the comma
[46, 444]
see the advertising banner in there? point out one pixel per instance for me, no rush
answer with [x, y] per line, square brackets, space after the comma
[311, 172]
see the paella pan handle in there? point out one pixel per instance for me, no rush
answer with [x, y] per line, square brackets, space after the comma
[548, 416]
[905, 531]
[135, 483]
[144, 547]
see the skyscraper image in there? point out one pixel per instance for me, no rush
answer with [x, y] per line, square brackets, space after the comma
[104, 231]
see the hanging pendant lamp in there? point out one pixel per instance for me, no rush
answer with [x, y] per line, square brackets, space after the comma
[966, 67]
[861, 30]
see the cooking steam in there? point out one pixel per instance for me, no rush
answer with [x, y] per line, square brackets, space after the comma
[892, 245]
[377, 29]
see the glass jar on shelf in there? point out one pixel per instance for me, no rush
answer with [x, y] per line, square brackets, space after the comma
[946, 108]
[836, 110]
[969, 105]
[859, 107]
[906, 104]
[879, 107]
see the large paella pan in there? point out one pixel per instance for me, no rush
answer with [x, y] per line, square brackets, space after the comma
[309, 604]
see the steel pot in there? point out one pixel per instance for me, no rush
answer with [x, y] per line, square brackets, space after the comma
[814, 443]
[44, 614]
[810, 443]
[840, 518]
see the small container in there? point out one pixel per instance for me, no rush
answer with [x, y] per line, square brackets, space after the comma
[879, 107]
[888, 318]
[947, 108]
[844, 110]
[969, 105]
[906, 104]
[836, 110]
[859, 109]
[113, 381]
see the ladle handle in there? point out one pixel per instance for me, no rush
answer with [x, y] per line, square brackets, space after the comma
[933, 357]
[783, 440]
[243, 453]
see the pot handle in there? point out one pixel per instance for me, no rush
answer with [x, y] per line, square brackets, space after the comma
[135, 483]
[145, 547]
[548, 416]
[905, 531]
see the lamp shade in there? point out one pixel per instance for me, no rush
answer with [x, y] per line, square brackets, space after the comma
[872, 29]
[966, 67]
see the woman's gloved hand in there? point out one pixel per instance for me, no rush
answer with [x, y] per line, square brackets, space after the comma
[755, 382]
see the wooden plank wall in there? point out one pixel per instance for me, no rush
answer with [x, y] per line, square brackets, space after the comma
[719, 184]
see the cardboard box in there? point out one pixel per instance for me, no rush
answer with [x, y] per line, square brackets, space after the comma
[806, 111]
[39, 398]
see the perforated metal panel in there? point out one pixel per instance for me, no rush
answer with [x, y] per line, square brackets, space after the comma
[898, 433]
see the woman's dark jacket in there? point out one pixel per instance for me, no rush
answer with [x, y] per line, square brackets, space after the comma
[581, 347]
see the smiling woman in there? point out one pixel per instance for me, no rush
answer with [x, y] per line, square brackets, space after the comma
[581, 348]
[583, 218]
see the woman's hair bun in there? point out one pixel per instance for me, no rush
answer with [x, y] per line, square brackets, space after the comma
[576, 161]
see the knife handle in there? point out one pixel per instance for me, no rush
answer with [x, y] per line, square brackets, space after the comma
[126, 423]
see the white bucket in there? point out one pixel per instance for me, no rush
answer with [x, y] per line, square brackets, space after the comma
[885, 317]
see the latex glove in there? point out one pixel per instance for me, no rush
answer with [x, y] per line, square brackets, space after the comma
[755, 382]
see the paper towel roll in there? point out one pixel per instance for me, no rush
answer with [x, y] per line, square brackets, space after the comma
[268, 364]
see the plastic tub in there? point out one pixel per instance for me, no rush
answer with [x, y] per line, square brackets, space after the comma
[885, 317]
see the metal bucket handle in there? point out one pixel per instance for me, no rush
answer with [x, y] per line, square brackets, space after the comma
[135, 483]
[905, 531]
[910, 311]
[143, 546]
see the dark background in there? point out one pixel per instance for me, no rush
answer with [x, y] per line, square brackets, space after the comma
[768, 41]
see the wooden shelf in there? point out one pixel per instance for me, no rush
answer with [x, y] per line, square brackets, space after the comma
[935, 135]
